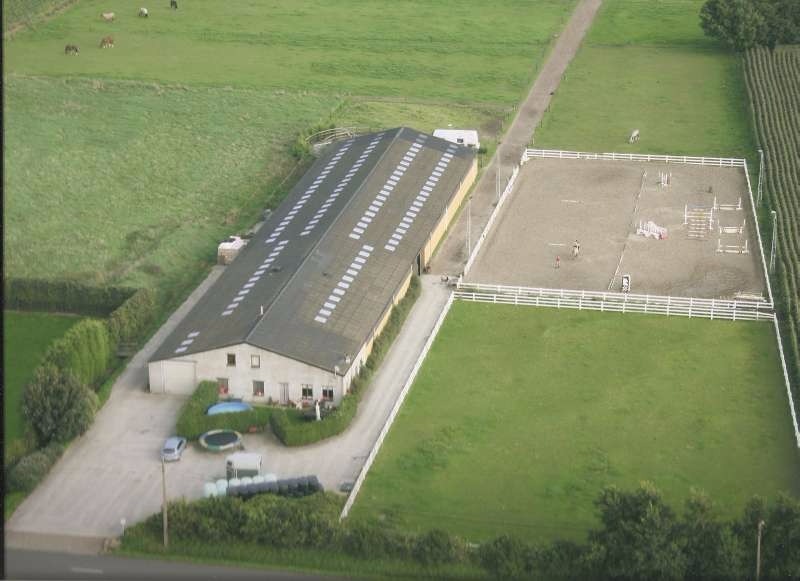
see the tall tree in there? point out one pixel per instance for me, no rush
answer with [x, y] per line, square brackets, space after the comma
[712, 550]
[640, 536]
[737, 23]
[57, 406]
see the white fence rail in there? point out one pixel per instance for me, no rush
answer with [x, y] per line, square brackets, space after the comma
[393, 414]
[476, 249]
[683, 159]
[617, 302]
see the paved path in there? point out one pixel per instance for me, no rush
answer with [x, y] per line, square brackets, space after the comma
[114, 470]
[452, 255]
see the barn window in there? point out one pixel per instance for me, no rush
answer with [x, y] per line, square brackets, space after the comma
[327, 393]
[307, 391]
[255, 361]
[231, 359]
[222, 385]
[258, 388]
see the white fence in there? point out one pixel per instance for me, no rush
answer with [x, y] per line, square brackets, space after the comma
[684, 159]
[615, 302]
[393, 414]
[509, 186]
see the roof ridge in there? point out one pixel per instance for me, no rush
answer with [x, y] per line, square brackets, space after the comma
[397, 131]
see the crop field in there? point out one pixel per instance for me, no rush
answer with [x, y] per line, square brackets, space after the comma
[773, 80]
[30, 334]
[520, 416]
[647, 65]
[128, 165]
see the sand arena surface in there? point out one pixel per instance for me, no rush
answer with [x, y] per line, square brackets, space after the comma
[598, 203]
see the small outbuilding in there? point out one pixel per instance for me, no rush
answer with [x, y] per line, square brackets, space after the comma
[466, 137]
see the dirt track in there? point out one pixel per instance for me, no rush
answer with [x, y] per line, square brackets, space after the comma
[452, 255]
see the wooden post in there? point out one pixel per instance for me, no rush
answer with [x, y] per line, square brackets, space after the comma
[761, 524]
[164, 500]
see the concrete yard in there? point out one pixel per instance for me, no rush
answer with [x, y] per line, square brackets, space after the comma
[598, 203]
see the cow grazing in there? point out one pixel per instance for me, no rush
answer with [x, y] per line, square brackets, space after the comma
[173, 4]
[107, 42]
[71, 49]
[107, 16]
[143, 12]
[634, 136]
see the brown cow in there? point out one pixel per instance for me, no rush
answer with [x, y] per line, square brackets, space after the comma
[107, 42]
[71, 49]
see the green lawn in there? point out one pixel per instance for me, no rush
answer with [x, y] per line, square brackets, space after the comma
[647, 65]
[521, 415]
[29, 335]
[459, 50]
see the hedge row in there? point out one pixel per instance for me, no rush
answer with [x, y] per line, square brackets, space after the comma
[63, 296]
[307, 522]
[31, 469]
[86, 350]
[129, 322]
[193, 421]
[296, 429]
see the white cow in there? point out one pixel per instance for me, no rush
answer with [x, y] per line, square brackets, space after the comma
[143, 12]
[634, 136]
[107, 16]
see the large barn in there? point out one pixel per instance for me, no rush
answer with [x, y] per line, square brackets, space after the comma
[294, 316]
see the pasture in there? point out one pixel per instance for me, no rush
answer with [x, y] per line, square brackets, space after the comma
[29, 334]
[128, 165]
[647, 65]
[460, 51]
[520, 416]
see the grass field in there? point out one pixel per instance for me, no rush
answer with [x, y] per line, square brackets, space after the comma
[129, 165]
[29, 334]
[462, 51]
[521, 415]
[647, 65]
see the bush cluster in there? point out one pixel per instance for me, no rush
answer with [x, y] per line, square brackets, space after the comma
[292, 428]
[193, 421]
[301, 147]
[57, 406]
[131, 320]
[308, 522]
[85, 350]
[31, 469]
[63, 296]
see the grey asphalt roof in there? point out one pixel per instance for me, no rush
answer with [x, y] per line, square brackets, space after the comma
[328, 261]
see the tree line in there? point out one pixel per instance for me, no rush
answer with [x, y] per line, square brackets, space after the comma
[745, 24]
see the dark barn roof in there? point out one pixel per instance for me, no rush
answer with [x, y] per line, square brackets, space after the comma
[326, 264]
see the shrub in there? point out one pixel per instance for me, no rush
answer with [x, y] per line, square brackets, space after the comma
[57, 406]
[85, 350]
[32, 469]
[17, 448]
[193, 421]
[435, 547]
[373, 541]
[505, 557]
[311, 521]
[128, 323]
[289, 425]
[64, 296]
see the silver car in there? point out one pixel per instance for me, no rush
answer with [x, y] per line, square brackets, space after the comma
[173, 448]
